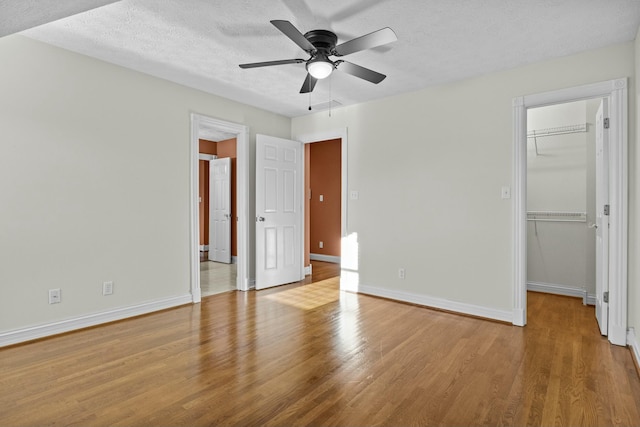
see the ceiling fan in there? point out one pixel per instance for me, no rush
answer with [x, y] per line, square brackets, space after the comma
[320, 45]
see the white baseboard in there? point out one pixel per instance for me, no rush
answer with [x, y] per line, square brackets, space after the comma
[41, 331]
[632, 342]
[204, 248]
[441, 303]
[308, 270]
[234, 260]
[325, 258]
[551, 288]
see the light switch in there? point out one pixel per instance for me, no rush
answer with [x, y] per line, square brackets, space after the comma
[322, 198]
[506, 192]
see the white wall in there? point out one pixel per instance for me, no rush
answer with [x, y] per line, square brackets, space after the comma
[95, 183]
[429, 167]
[557, 181]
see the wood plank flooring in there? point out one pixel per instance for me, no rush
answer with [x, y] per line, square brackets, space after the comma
[308, 354]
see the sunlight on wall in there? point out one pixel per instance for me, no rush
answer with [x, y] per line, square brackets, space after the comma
[349, 275]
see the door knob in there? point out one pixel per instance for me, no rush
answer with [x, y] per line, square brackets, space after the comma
[260, 218]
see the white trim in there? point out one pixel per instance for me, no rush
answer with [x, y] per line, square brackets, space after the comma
[616, 93]
[325, 258]
[632, 342]
[41, 331]
[441, 303]
[569, 291]
[308, 270]
[242, 200]
[234, 259]
[207, 157]
[519, 209]
[204, 248]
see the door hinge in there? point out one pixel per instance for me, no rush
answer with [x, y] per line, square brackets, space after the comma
[606, 123]
[605, 297]
[606, 210]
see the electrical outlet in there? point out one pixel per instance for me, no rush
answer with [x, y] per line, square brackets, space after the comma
[107, 288]
[401, 273]
[54, 296]
[321, 244]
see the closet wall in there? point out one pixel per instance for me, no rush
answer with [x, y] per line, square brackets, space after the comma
[560, 198]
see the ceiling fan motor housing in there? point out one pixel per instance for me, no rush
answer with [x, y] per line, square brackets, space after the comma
[324, 41]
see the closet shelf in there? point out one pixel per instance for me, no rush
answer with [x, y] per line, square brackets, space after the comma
[561, 130]
[556, 216]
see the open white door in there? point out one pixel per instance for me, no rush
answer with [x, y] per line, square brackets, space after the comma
[278, 211]
[602, 220]
[220, 210]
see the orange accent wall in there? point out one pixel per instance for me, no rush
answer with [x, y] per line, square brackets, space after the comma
[208, 147]
[326, 180]
[307, 204]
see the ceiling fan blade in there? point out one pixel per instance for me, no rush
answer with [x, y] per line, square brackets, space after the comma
[358, 71]
[309, 84]
[368, 41]
[269, 63]
[292, 32]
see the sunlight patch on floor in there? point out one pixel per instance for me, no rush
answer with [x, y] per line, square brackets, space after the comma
[310, 296]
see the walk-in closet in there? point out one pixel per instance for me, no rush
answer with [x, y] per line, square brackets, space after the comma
[561, 182]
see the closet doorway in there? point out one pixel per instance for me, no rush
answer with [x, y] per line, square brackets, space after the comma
[561, 209]
[613, 302]
[562, 214]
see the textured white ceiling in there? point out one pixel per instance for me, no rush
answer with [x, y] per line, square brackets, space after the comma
[18, 15]
[199, 43]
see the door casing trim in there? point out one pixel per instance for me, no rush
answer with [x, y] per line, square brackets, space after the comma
[242, 200]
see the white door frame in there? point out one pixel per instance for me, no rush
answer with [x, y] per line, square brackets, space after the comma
[324, 136]
[242, 200]
[616, 92]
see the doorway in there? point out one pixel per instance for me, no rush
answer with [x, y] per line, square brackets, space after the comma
[615, 91]
[281, 209]
[561, 200]
[208, 128]
[218, 206]
[312, 246]
[323, 204]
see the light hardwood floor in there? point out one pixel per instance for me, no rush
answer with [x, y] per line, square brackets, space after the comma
[308, 354]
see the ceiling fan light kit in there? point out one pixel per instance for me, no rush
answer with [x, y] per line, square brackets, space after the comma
[320, 45]
[320, 67]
